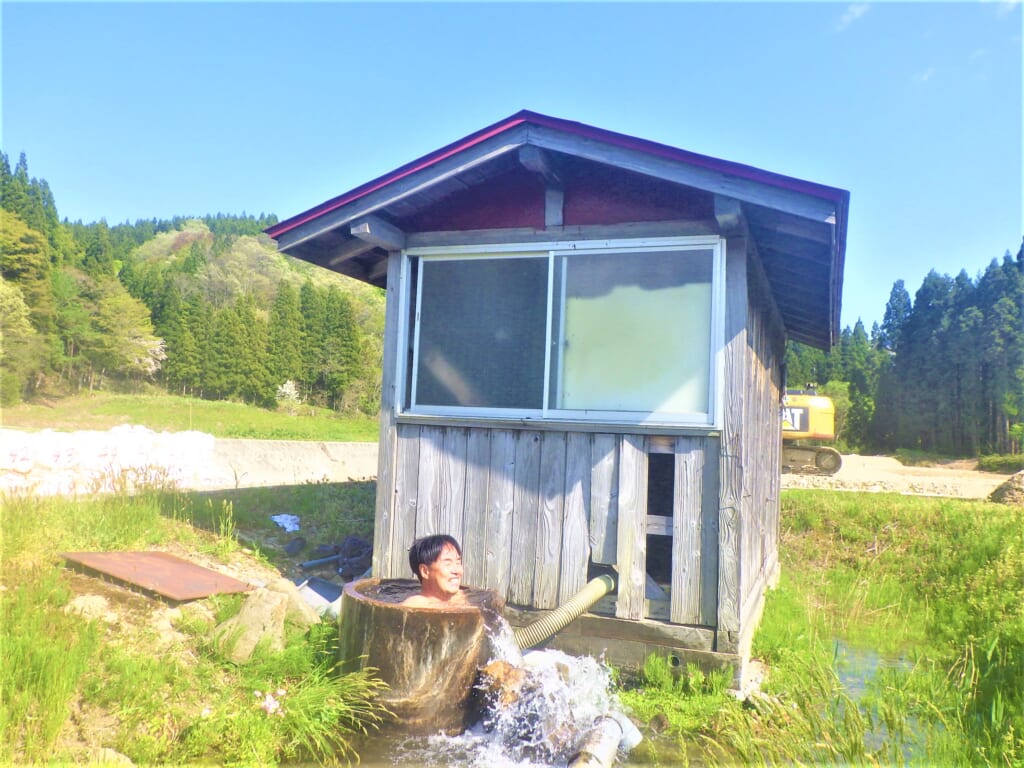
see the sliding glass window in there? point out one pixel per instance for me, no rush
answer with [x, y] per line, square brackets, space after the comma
[625, 332]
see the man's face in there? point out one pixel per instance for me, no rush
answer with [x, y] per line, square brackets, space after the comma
[443, 577]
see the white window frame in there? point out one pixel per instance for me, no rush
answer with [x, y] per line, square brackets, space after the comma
[551, 251]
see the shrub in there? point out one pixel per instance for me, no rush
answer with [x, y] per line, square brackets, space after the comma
[1006, 465]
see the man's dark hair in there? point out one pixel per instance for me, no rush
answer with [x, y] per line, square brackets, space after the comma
[425, 551]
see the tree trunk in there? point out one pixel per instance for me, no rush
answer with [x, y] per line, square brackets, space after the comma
[428, 657]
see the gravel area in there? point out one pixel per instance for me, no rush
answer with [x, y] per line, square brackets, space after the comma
[883, 474]
[50, 462]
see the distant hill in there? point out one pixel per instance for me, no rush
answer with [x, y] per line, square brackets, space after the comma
[204, 306]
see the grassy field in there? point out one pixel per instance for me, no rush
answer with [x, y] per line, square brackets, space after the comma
[172, 413]
[74, 683]
[896, 635]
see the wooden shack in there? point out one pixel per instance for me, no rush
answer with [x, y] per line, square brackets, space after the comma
[583, 366]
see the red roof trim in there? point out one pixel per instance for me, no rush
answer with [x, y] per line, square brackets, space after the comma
[399, 173]
[580, 129]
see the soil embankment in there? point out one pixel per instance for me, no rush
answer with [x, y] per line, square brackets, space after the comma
[49, 462]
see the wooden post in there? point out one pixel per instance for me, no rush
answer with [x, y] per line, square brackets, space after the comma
[631, 552]
[386, 447]
[731, 456]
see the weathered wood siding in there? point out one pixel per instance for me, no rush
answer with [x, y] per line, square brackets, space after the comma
[751, 443]
[533, 508]
[762, 440]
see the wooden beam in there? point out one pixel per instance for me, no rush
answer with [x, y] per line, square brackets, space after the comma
[685, 526]
[822, 233]
[729, 214]
[379, 233]
[631, 549]
[377, 270]
[571, 233]
[554, 207]
[536, 160]
[748, 191]
[791, 247]
[404, 187]
[387, 547]
[349, 250]
[732, 455]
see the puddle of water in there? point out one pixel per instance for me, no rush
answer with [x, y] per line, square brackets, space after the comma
[562, 698]
[858, 668]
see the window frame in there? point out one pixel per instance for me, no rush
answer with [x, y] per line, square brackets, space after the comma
[409, 333]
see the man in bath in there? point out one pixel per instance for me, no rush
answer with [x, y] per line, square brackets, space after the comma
[437, 563]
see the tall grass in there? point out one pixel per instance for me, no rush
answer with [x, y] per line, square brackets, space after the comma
[44, 655]
[895, 637]
[173, 701]
[937, 583]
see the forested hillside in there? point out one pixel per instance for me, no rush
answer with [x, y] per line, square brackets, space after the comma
[207, 307]
[203, 306]
[943, 373]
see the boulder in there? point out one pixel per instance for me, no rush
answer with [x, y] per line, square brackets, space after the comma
[299, 612]
[261, 619]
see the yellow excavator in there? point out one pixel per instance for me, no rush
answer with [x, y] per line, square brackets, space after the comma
[807, 415]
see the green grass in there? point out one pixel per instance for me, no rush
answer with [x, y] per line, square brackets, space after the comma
[173, 413]
[327, 511]
[1007, 465]
[183, 703]
[929, 591]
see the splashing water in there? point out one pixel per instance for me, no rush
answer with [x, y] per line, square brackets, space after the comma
[556, 701]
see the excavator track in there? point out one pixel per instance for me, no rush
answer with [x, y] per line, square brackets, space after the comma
[810, 460]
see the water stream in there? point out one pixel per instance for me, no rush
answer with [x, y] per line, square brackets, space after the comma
[540, 721]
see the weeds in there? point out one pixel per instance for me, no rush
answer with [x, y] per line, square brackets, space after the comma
[176, 702]
[927, 597]
[938, 580]
[45, 653]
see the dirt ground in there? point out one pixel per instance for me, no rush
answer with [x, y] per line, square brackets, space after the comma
[49, 462]
[956, 479]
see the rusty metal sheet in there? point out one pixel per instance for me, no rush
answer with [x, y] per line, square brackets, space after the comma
[159, 572]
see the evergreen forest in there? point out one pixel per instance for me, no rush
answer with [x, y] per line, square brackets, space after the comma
[204, 307]
[207, 307]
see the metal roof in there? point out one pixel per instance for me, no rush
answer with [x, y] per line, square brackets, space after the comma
[799, 227]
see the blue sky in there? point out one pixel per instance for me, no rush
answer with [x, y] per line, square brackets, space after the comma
[134, 110]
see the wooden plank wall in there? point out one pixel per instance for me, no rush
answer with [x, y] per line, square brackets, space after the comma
[532, 508]
[731, 451]
[762, 443]
[384, 511]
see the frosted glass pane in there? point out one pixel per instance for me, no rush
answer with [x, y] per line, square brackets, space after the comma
[637, 331]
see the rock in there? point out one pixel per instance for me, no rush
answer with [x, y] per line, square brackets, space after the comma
[356, 557]
[261, 619]
[92, 607]
[296, 545]
[353, 546]
[351, 567]
[108, 756]
[501, 683]
[299, 612]
[1010, 492]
